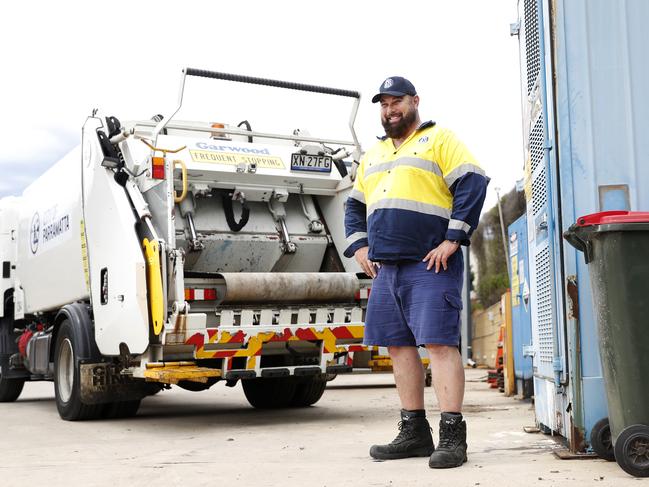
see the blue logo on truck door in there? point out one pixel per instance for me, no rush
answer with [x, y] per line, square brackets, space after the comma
[34, 233]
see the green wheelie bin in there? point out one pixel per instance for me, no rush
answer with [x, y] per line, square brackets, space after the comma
[616, 248]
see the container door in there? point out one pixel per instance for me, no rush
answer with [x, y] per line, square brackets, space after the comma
[543, 228]
[115, 260]
[521, 307]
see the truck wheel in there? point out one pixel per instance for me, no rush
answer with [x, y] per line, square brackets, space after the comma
[632, 450]
[121, 409]
[10, 389]
[600, 440]
[269, 393]
[66, 379]
[308, 391]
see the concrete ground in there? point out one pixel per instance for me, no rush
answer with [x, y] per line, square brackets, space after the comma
[216, 438]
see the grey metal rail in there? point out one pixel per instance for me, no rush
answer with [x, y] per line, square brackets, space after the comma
[265, 82]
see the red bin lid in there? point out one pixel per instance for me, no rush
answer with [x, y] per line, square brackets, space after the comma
[613, 217]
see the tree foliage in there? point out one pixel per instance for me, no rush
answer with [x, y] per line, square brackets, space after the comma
[488, 251]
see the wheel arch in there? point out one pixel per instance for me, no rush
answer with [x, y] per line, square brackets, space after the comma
[79, 316]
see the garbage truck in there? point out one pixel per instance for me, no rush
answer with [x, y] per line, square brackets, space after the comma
[164, 252]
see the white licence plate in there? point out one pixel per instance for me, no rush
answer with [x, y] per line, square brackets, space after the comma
[306, 162]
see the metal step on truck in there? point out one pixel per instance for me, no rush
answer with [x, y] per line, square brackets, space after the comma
[163, 252]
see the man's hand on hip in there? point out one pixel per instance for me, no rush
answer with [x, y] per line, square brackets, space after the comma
[366, 264]
[440, 254]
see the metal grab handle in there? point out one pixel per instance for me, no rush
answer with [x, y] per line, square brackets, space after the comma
[581, 244]
[202, 73]
[183, 170]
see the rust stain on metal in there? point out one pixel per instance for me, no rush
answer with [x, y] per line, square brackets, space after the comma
[573, 294]
[577, 441]
[181, 324]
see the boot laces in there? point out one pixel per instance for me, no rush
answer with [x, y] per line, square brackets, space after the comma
[405, 428]
[448, 435]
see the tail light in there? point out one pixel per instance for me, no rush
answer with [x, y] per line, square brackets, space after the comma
[158, 167]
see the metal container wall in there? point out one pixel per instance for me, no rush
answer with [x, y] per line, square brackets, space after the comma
[584, 71]
[602, 117]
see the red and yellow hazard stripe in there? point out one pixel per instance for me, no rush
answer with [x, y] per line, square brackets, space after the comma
[249, 344]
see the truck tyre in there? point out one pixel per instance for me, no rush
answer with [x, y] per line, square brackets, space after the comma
[121, 409]
[10, 389]
[66, 378]
[308, 391]
[269, 393]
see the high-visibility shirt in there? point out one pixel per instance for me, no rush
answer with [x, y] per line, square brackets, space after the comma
[407, 200]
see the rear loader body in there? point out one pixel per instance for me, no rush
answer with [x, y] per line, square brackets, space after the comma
[165, 252]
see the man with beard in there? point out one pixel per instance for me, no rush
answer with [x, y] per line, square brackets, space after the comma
[416, 199]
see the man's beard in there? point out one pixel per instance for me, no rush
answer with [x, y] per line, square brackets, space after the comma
[401, 128]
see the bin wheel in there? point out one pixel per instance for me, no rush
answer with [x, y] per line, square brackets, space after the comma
[632, 450]
[600, 440]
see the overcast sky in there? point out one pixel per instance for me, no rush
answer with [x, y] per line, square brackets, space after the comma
[61, 59]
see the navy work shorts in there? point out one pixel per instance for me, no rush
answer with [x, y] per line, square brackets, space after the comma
[411, 306]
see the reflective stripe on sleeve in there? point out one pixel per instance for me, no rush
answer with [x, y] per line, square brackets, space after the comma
[417, 206]
[460, 171]
[357, 195]
[459, 225]
[355, 237]
[423, 164]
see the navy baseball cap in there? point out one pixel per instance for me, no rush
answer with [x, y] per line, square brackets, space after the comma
[395, 86]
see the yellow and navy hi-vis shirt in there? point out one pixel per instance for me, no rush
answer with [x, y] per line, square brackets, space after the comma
[407, 201]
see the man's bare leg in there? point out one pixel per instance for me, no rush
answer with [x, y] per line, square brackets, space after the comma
[448, 377]
[409, 376]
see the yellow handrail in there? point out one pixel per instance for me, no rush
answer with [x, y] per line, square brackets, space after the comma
[154, 275]
[183, 169]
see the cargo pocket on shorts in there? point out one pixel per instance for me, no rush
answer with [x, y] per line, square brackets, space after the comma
[449, 319]
[453, 301]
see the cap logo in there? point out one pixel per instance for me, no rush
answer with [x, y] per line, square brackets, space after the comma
[423, 140]
[388, 83]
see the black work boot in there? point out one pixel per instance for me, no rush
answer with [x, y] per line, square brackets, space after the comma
[451, 450]
[415, 438]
